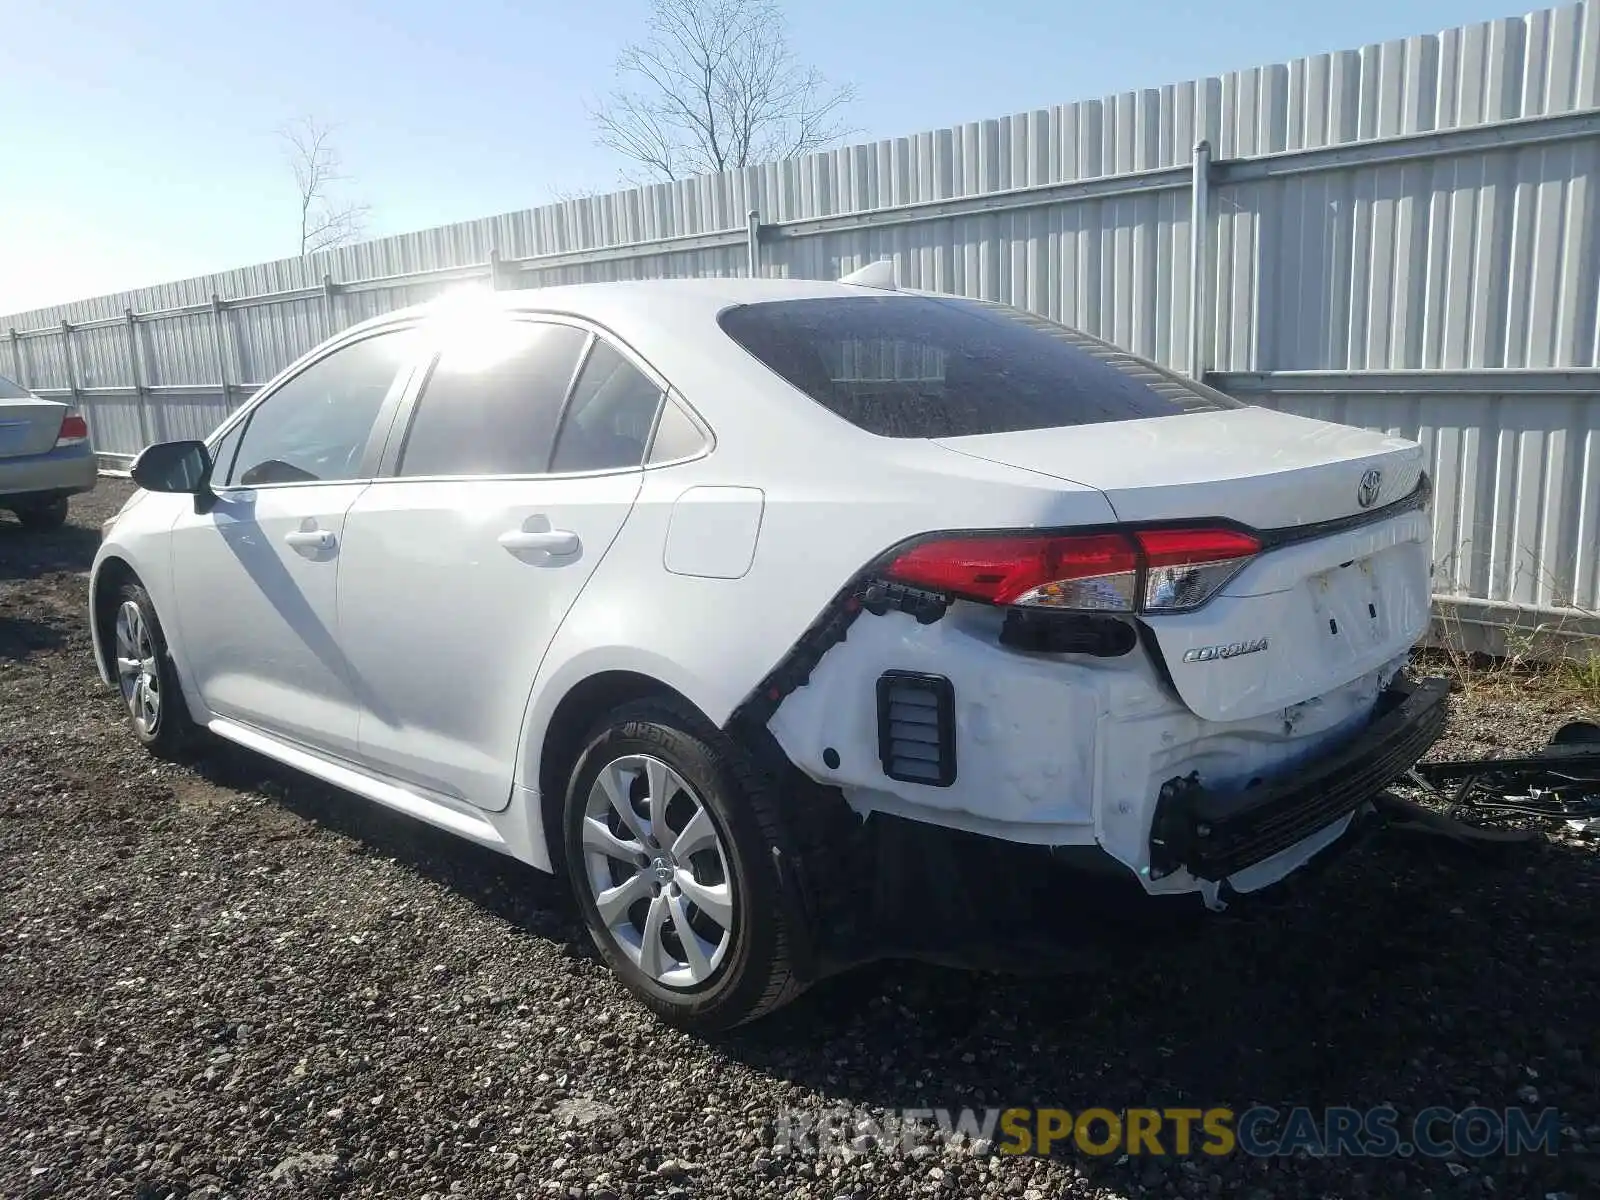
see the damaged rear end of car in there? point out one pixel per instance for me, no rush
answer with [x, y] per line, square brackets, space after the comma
[1196, 697]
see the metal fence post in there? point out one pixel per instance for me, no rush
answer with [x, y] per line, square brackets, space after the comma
[330, 318]
[494, 269]
[16, 356]
[753, 240]
[72, 379]
[72, 367]
[219, 336]
[145, 435]
[1199, 244]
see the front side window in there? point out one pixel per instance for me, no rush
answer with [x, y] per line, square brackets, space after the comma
[609, 418]
[919, 367]
[492, 403]
[315, 427]
[223, 451]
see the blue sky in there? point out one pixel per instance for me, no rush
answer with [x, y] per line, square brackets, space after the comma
[137, 139]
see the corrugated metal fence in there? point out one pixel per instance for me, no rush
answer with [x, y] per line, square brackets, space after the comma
[1405, 236]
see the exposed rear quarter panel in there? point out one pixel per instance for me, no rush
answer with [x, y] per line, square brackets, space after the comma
[829, 510]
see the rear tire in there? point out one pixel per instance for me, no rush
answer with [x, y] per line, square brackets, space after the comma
[669, 823]
[44, 517]
[146, 678]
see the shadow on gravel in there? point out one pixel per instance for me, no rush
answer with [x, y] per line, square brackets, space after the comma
[1408, 952]
[1401, 976]
[22, 636]
[1408, 961]
[1398, 977]
[27, 554]
[511, 890]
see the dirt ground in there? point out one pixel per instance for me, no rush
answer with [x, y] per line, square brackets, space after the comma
[218, 979]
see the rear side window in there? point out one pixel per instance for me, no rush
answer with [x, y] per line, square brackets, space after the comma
[12, 391]
[491, 405]
[610, 416]
[917, 367]
[677, 437]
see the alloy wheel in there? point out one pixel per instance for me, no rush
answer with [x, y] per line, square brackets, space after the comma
[137, 675]
[658, 871]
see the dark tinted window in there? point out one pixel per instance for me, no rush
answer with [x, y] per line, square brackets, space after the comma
[909, 366]
[609, 418]
[316, 426]
[492, 403]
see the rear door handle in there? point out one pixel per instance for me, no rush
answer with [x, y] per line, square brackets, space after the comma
[313, 539]
[552, 541]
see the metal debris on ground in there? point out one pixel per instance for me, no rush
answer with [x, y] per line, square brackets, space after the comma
[1559, 782]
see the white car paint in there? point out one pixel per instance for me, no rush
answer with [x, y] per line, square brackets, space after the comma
[713, 532]
[416, 643]
[480, 566]
[258, 613]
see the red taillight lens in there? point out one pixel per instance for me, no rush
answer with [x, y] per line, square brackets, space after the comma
[1149, 570]
[74, 429]
[1092, 571]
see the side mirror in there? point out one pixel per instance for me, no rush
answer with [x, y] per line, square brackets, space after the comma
[180, 467]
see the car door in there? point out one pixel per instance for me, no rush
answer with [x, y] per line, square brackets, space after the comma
[521, 459]
[256, 575]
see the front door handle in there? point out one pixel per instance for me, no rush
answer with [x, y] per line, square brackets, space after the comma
[552, 541]
[309, 539]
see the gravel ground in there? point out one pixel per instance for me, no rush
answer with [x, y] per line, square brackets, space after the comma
[221, 980]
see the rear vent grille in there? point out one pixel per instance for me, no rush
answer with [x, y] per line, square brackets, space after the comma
[917, 728]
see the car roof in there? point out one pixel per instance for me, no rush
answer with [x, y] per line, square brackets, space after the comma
[598, 301]
[671, 324]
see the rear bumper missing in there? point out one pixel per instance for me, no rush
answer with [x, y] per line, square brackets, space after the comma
[1216, 834]
[889, 886]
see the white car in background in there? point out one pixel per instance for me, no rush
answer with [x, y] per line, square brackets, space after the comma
[45, 456]
[797, 622]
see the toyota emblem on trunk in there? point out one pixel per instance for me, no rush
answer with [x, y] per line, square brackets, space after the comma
[1367, 492]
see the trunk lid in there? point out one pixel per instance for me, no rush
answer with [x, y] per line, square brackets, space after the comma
[28, 425]
[1266, 469]
[1332, 597]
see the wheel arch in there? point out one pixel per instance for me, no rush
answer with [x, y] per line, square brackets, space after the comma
[109, 575]
[551, 755]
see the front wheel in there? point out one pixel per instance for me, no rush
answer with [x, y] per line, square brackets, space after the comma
[146, 677]
[670, 833]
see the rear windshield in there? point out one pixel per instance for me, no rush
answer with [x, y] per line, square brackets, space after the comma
[919, 367]
[12, 391]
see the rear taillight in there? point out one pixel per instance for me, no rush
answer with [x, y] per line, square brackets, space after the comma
[1090, 571]
[74, 429]
[1186, 567]
[1135, 570]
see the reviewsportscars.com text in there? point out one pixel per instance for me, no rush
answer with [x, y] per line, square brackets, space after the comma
[1260, 1131]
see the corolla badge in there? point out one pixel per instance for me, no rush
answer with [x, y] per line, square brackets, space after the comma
[1230, 650]
[1367, 491]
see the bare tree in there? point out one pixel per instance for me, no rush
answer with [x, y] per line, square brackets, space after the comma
[562, 195]
[326, 220]
[715, 85]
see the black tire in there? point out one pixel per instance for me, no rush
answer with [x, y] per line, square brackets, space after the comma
[757, 972]
[173, 729]
[44, 517]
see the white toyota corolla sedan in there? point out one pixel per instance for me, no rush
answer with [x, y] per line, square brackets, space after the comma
[798, 623]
